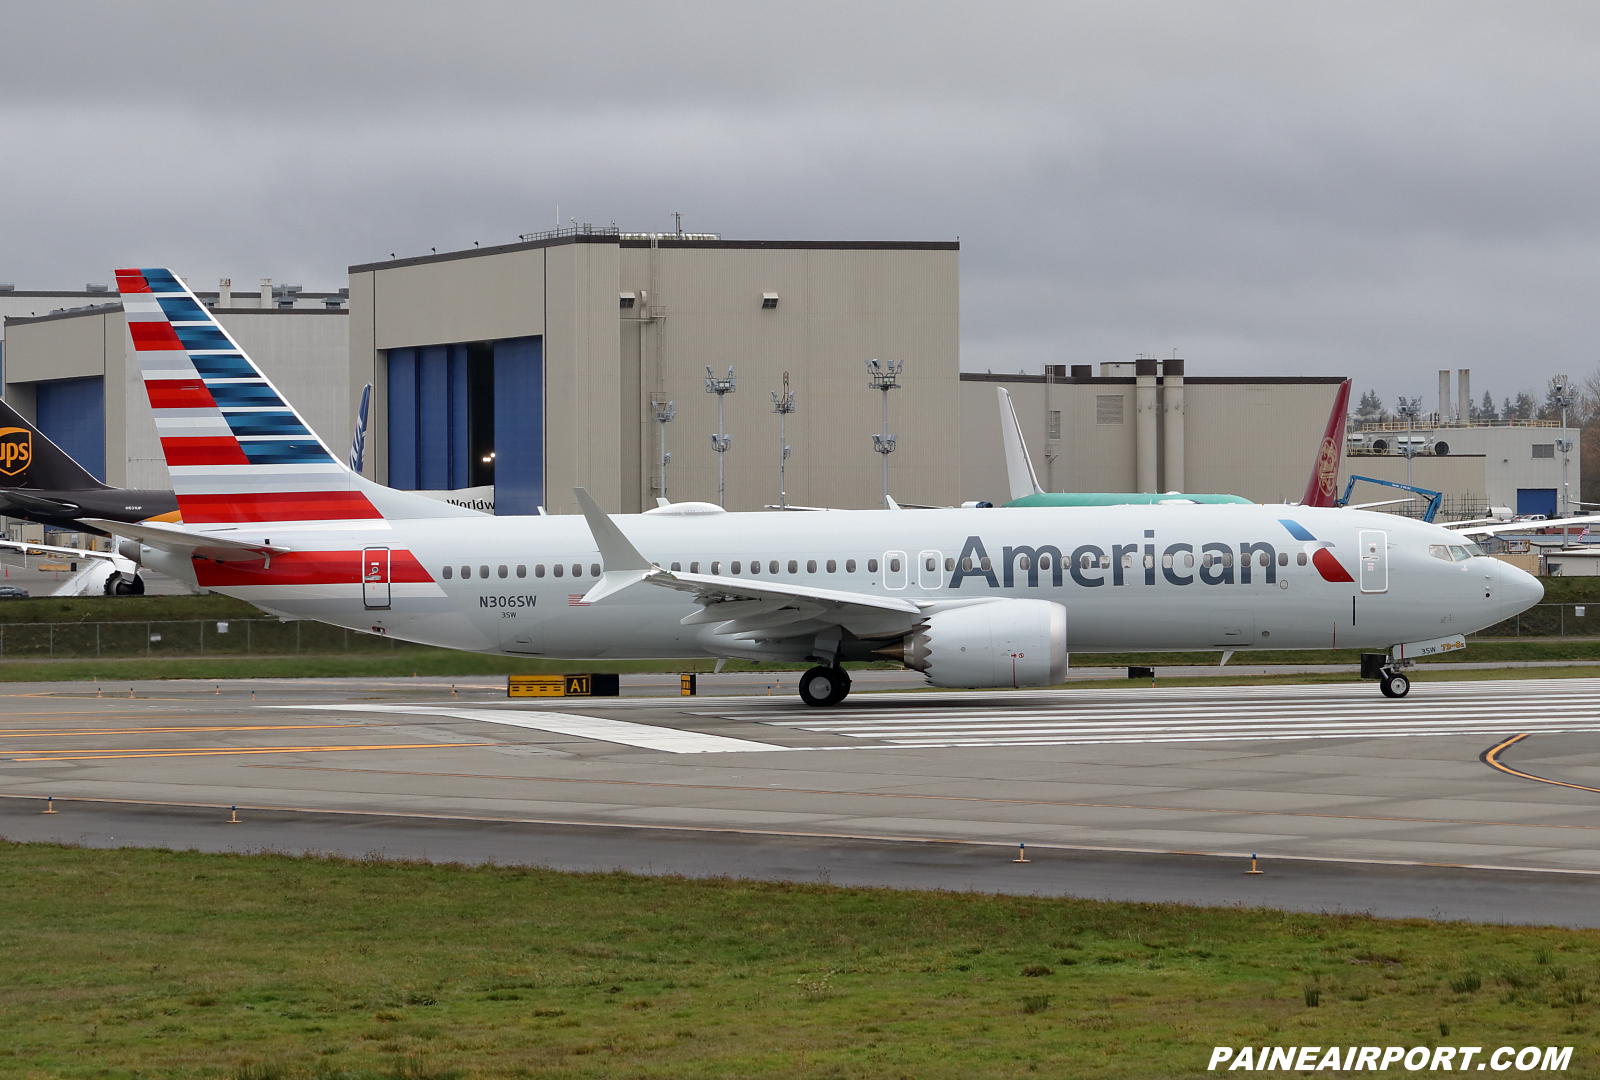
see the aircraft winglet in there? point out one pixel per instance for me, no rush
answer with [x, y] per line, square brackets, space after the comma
[623, 565]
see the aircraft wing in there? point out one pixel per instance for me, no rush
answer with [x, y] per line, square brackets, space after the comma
[50, 549]
[1527, 526]
[747, 605]
[180, 541]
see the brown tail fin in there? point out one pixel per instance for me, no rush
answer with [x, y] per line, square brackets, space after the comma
[1323, 487]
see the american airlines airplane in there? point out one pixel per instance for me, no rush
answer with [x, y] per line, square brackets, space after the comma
[986, 598]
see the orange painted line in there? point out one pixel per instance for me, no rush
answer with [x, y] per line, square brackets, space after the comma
[1490, 757]
[102, 755]
[944, 798]
[41, 733]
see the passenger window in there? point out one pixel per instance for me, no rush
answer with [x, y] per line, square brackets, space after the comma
[1044, 562]
[503, 571]
[1459, 552]
[577, 569]
[849, 566]
[755, 566]
[1439, 551]
[772, 567]
[676, 567]
[1283, 558]
[931, 563]
[794, 567]
[1149, 562]
[735, 566]
[872, 565]
[483, 571]
[538, 569]
[811, 566]
[984, 564]
[466, 572]
[1086, 562]
[1023, 562]
[522, 571]
[1227, 558]
[694, 568]
[1105, 562]
[1300, 559]
[1127, 560]
[1263, 559]
[716, 568]
[447, 573]
[1166, 562]
[594, 569]
[833, 566]
[1207, 559]
[966, 565]
[1188, 560]
[949, 562]
[558, 570]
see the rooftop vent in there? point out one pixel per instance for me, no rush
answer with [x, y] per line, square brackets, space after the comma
[6, 286]
[625, 300]
[97, 286]
[333, 301]
[769, 300]
[286, 294]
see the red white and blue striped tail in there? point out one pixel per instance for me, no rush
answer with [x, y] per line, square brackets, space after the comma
[236, 449]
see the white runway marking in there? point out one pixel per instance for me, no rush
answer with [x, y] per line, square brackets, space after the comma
[670, 740]
[1191, 714]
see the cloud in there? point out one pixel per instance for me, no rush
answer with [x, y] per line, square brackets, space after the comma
[1366, 189]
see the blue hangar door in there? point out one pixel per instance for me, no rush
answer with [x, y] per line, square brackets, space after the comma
[1536, 501]
[72, 414]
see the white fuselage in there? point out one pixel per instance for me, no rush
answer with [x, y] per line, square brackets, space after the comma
[1139, 592]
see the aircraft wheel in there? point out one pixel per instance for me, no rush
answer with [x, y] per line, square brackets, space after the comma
[1395, 685]
[823, 686]
[131, 588]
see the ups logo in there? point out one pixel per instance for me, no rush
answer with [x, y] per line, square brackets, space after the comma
[16, 450]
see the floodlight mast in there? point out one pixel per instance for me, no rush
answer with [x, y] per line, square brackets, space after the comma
[664, 415]
[885, 377]
[1564, 398]
[1410, 408]
[783, 406]
[721, 440]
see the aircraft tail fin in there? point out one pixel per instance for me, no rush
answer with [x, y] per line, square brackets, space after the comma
[1019, 467]
[1323, 487]
[30, 460]
[236, 449]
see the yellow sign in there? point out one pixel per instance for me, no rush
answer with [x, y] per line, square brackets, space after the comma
[16, 450]
[547, 686]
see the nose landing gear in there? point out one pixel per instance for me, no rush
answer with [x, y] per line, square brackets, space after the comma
[1391, 680]
[824, 686]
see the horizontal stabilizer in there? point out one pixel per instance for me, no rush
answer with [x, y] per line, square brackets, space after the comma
[181, 541]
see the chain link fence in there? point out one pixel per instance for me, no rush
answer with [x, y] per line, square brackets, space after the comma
[182, 637]
[1548, 620]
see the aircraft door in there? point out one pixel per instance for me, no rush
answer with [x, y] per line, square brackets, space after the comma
[929, 575]
[1374, 555]
[375, 577]
[894, 569]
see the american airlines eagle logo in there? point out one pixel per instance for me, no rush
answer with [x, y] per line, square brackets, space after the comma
[16, 450]
[1328, 467]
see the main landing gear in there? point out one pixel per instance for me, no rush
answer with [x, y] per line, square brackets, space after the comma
[1393, 682]
[823, 686]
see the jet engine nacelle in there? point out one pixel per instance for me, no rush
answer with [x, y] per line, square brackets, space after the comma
[1002, 643]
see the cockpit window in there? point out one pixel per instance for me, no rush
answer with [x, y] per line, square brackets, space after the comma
[1474, 550]
[1439, 551]
[1459, 552]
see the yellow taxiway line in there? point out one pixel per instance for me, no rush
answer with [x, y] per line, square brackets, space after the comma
[1491, 758]
[174, 752]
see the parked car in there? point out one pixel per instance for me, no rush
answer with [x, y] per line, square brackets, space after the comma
[13, 592]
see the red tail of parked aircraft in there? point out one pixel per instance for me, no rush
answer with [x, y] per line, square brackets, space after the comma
[1323, 487]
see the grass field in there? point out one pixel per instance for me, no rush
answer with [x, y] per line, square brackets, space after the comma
[132, 963]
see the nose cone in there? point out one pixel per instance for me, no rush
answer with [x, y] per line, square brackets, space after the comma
[1519, 590]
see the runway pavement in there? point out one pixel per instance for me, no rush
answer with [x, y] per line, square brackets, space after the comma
[1468, 799]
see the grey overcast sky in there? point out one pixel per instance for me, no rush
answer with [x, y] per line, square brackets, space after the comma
[1275, 187]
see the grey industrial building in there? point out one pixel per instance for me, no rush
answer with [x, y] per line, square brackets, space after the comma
[511, 374]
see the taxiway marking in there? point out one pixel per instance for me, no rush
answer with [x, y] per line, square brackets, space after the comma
[168, 752]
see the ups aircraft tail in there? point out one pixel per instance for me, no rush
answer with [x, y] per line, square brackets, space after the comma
[28, 460]
[237, 450]
[1323, 487]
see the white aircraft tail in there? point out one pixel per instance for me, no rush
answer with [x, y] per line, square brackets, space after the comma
[1019, 467]
[236, 449]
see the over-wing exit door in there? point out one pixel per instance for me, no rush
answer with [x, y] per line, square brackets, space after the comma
[375, 577]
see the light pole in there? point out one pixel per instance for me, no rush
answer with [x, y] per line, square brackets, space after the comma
[664, 414]
[1563, 397]
[783, 406]
[1410, 408]
[885, 377]
[721, 440]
